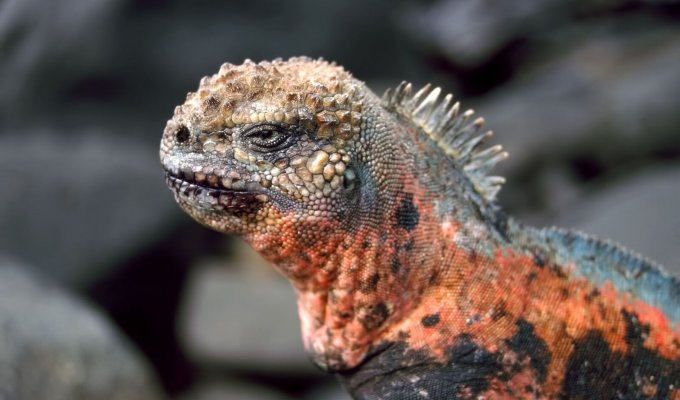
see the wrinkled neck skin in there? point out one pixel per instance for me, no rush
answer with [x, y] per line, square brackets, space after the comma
[370, 269]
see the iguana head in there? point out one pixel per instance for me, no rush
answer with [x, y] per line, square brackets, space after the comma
[267, 151]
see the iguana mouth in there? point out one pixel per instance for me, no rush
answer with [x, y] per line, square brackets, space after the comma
[233, 194]
[187, 181]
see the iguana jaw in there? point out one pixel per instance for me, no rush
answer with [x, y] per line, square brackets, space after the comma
[200, 201]
[226, 193]
[224, 199]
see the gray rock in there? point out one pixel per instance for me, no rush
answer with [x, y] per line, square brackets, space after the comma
[54, 347]
[641, 213]
[75, 205]
[329, 392]
[242, 319]
[470, 32]
[232, 390]
[608, 95]
[35, 36]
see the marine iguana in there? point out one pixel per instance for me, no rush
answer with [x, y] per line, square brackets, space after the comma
[411, 282]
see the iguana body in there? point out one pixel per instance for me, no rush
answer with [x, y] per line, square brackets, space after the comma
[411, 283]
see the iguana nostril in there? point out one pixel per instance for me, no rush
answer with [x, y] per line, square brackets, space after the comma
[182, 134]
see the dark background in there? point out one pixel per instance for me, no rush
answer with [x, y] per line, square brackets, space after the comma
[585, 95]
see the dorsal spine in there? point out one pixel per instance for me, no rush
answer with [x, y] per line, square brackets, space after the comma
[456, 133]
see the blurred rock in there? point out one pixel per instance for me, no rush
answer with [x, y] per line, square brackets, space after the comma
[231, 317]
[74, 206]
[54, 347]
[610, 95]
[470, 32]
[640, 212]
[329, 392]
[230, 390]
[42, 46]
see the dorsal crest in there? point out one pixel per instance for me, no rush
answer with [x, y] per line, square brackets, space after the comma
[457, 134]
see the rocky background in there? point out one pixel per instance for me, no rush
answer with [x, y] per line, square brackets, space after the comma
[107, 291]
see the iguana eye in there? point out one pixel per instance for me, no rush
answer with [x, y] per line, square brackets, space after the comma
[267, 138]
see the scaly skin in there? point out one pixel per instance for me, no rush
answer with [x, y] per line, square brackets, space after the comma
[411, 284]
